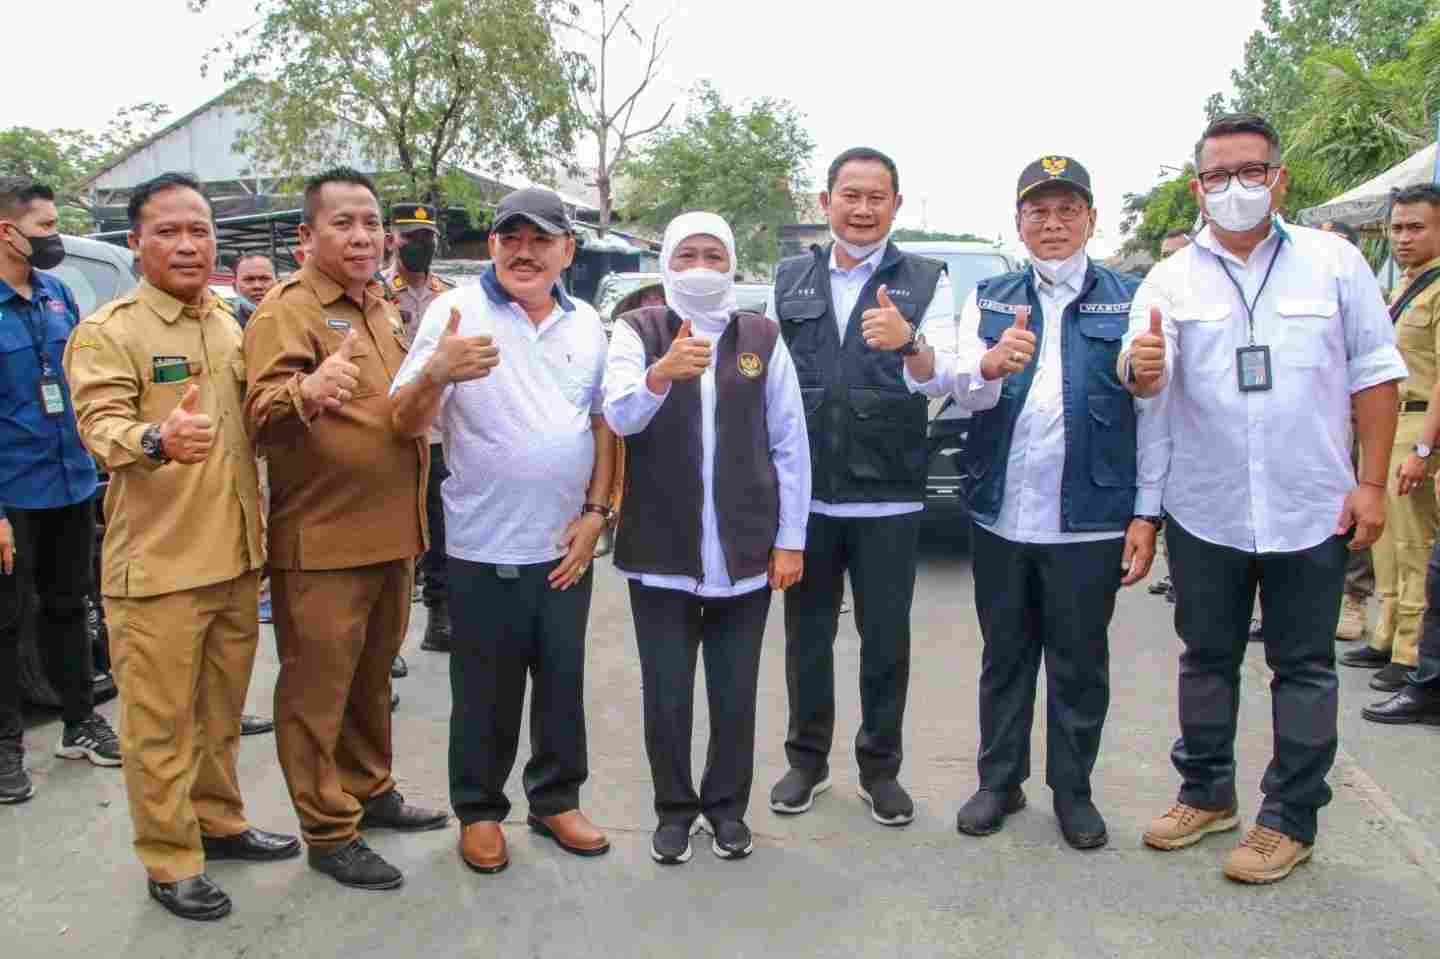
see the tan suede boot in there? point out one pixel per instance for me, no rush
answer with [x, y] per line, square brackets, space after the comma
[1265, 856]
[1185, 826]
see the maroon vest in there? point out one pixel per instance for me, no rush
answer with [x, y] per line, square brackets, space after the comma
[660, 524]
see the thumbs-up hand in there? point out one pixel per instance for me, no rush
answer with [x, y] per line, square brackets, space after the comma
[459, 359]
[884, 327]
[687, 358]
[186, 434]
[1014, 351]
[1147, 356]
[333, 383]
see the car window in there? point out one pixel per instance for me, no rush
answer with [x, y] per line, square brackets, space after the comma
[968, 269]
[93, 282]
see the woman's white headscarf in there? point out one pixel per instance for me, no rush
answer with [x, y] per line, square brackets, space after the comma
[681, 229]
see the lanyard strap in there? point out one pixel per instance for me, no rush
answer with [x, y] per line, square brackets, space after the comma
[1250, 306]
[37, 339]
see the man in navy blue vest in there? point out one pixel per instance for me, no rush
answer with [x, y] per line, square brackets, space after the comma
[1061, 519]
[850, 314]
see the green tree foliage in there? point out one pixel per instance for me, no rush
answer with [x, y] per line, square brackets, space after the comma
[419, 86]
[1149, 216]
[64, 159]
[746, 162]
[900, 236]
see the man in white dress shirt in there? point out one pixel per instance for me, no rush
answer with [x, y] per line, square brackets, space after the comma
[1061, 481]
[1267, 334]
[510, 371]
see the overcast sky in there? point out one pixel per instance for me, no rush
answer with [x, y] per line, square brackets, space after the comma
[962, 94]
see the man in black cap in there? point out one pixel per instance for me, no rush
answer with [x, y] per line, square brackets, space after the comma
[409, 284]
[509, 371]
[1062, 520]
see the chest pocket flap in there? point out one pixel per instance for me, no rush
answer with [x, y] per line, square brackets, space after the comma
[1290, 307]
[993, 324]
[799, 311]
[1103, 326]
[1203, 313]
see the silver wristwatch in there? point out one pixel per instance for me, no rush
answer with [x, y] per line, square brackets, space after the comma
[153, 445]
[1422, 451]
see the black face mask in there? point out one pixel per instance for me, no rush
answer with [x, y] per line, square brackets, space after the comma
[417, 255]
[46, 252]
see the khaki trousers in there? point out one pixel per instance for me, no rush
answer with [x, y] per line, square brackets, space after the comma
[1403, 551]
[337, 632]
[182, 664]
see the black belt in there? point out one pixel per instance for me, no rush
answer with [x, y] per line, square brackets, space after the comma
[1414, 406]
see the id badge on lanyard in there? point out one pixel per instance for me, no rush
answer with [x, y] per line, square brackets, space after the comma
[52, 394]
[1253, 372]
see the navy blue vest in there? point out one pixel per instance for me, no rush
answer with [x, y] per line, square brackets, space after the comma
[1097, 490]
[867, 430]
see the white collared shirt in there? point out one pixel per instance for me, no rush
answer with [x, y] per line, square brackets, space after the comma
[518, 443]
[1269, 471]
[845, 289]
[1035, 470]
[630, 406]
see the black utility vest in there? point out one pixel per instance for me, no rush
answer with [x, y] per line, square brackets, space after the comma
[867, 430]
[660, 523]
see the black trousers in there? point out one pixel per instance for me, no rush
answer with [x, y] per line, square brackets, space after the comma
[880, 555]
[54, 555]
[506, 630]
[1054, 600]
[671, 629]
[1427, 670]
[435, 585]
[1300, 605]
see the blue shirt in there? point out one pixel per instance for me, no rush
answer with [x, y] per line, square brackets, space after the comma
[43, 464]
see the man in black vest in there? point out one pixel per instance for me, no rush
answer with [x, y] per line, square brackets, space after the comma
[850, 315]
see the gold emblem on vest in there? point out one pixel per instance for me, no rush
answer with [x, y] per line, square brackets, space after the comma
[750, 365]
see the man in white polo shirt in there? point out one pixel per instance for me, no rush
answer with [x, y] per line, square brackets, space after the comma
[510, 372]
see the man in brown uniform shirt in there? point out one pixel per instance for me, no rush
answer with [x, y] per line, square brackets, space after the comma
[347, 519]
[157, 379]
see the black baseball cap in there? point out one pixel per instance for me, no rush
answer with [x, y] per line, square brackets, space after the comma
[1054, 169]
[540, 207]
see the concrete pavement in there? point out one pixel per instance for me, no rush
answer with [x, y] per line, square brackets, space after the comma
[829, 883]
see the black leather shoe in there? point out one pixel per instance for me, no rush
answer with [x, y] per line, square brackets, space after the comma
[194, 898]
[255, 725]
[358, 866]
[1409, 705]
[984, 813]
[252, 845]
[399, 669]
[437, 629]
[1391, 679]
[390, 811]
[1366, 657]
[1080, 822]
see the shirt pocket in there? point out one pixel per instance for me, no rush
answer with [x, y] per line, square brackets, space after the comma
[1206, 343]
[17, 367]
[158, 400]
[577, 381]
[1305, 327]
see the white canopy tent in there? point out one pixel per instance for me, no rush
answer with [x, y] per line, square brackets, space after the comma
[1368, 203]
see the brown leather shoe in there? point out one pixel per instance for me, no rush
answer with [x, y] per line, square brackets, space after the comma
[572, 832]
[482, 847]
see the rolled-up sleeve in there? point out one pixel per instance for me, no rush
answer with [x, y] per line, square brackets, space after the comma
[789, 447]
[105, 387]
[629, 405]
[1371, 355]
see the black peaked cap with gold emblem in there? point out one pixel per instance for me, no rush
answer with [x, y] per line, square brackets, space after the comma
[1054, 169]
[405, 217]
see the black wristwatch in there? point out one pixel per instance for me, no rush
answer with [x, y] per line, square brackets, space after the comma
[1156, 521]
[152, 445]
[604, 511]
[916, 344]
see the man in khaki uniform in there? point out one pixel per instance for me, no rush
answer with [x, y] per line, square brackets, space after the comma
[347, 519]
[1413, 518]
[158, 386]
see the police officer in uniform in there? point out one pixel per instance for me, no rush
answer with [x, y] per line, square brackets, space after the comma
[158, 385]
[1061, 521]
[347, 519]
[850, 315]
[411, 286]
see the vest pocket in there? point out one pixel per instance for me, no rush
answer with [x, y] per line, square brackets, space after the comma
[1112, 444]
[884, 444]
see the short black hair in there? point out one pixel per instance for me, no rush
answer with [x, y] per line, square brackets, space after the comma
[250, 256]
[1419, 193]
[16, 193]
[1177, 231]
[1352, 234]
[339, 174]
[166, 181]
[1233, 123]
[862, 155]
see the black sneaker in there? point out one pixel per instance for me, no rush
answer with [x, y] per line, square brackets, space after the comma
[730, 839]
[15, 785]
[1391, 679]
[670, 846]
[358, 866]
[91, 738]
[890, 804]
[796, 791]
[437, 629]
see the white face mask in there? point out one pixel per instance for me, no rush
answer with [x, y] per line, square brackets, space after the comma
[856, 251]
[1061, 271]
[1238, 208]
[700, 289]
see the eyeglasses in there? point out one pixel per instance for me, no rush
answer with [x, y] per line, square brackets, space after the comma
[1251, 175]
[1038, 215]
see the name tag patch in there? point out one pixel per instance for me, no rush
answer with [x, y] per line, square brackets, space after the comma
[998, 307]
[337, 324]
[1104, 307]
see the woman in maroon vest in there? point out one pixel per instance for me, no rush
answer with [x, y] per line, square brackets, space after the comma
[717, 490]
